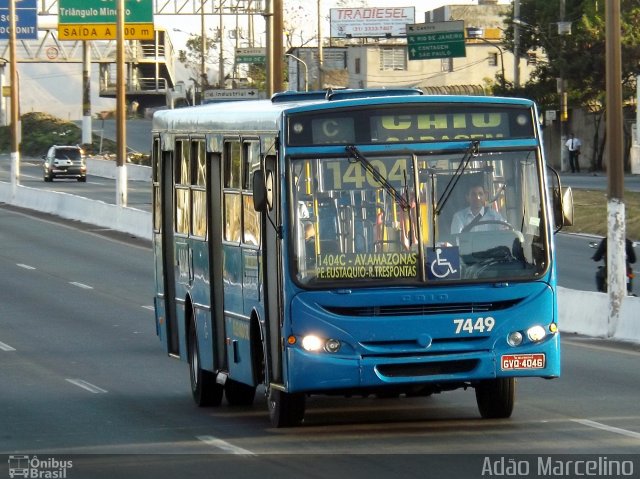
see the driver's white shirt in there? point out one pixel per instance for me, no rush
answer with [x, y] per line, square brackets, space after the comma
[463, 217]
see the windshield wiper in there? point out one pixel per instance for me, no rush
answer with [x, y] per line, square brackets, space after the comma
[354, 154]
[471, 152]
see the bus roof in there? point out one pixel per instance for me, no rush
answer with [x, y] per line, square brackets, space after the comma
[264, 115]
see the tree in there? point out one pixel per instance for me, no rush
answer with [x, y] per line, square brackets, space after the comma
[579, 57]
[192, 57]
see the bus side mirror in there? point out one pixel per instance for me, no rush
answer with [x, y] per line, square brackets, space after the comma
[262, 190]
[562, 200]
[567, 207]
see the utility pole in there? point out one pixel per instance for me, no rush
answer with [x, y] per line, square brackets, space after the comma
[221, 53]
[87, 137]
[121, 110]
[203, 48]
[616, 263]
[275, 53]
[562, 93]
[15, 100]
[516, 43]
[320, 52]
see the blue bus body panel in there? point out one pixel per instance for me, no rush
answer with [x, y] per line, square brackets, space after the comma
[416, 348]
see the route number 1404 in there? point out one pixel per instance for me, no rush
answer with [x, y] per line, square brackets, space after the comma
[470, 326]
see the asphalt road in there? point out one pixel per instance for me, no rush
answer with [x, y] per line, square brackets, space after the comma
[597, 181]
[82, 372]
[96, 188]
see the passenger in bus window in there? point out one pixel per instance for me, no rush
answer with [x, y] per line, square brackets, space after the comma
[477, 216]
[309, 232]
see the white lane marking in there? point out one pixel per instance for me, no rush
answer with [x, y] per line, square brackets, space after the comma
[150, 308]
[224, 445]
[25, 266]
[80, 285]
[6, 347]
[86, 385]
[609, 349]
[604, 427]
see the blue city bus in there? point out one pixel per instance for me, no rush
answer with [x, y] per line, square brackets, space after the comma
[309, 244]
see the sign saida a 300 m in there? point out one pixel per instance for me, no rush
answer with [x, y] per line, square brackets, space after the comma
[96, 20]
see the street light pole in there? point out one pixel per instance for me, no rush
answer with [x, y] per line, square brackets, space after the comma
[501, 59]
[474, 33]
[306, 70]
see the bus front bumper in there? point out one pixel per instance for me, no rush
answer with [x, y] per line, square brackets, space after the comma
[323, 372]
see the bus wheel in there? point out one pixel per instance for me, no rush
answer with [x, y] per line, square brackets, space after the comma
[496, 397]
[285, 409]
[239, 394]
[204, 388]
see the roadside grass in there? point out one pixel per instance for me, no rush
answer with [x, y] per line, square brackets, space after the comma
[590, 213]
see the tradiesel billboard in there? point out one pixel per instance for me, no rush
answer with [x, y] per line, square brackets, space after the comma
[370, 21]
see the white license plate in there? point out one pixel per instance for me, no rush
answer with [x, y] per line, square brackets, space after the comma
[522, 361]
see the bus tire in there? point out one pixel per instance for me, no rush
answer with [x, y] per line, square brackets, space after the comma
[496, 397]
[239, 394]
[285, 409]
[204, 388]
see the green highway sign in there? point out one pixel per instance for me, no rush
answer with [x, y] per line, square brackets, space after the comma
[96, 19]
[251, 55]
[436, 40]
[103, 11]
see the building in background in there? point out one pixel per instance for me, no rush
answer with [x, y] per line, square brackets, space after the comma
[384, 62]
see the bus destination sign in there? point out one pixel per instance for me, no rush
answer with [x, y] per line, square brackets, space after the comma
[407, 124]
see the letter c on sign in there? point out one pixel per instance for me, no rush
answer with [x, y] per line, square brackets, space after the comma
[330, 128]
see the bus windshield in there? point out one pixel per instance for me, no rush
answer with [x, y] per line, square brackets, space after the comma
[454, 217]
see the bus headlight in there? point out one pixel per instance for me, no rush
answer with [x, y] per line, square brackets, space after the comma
[313, 343]
[514, 338]
[536, 333]
[332, 346]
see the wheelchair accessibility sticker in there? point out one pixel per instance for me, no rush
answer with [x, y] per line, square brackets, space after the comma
[443, 263]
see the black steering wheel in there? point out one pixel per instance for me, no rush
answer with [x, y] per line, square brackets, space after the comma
[472, 225]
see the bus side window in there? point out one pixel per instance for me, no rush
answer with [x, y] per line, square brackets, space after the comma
[251, 218]
[198, 189]
[232, 192]
[183, 183]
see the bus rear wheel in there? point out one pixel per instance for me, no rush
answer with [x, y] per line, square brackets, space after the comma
[239, 394]
[285, 409]
[495, 397]
[204, 388]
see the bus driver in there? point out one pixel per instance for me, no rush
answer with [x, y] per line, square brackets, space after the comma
[476, 213]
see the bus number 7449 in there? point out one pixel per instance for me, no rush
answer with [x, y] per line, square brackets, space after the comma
[470, 326]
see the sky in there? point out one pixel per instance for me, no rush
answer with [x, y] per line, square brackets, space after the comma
[57, 88]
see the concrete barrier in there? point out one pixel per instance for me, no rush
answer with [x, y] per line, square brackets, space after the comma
[587, 312]
[582, 312]
[127, 220]
[107, 169]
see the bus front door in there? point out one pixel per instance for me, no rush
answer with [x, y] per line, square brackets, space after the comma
[168, 255]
